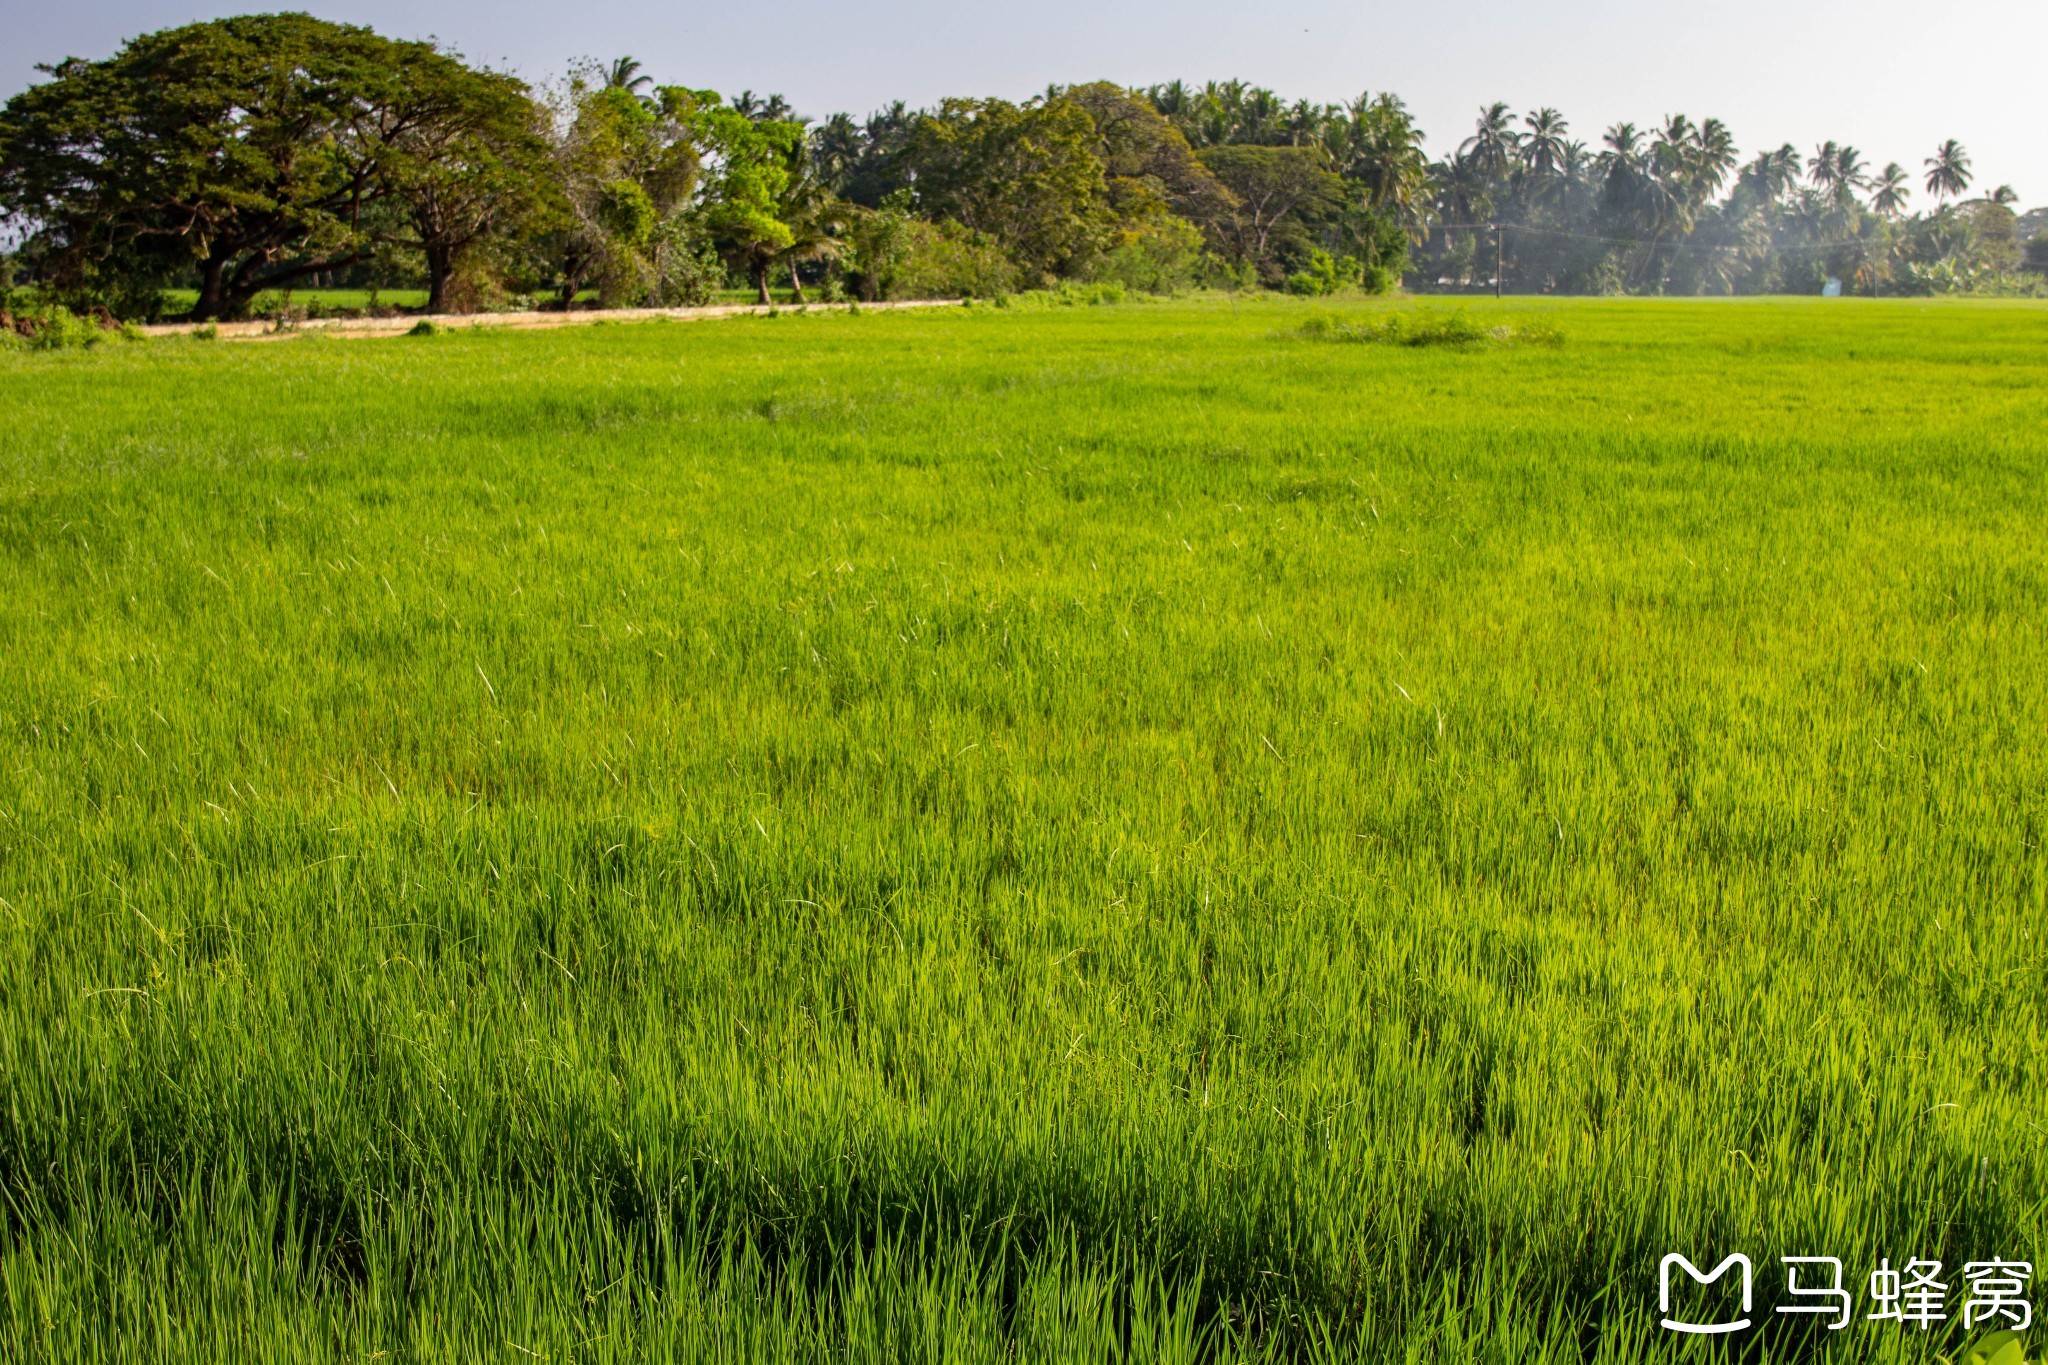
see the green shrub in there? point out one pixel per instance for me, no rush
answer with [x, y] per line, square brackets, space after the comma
[56, 328]
[1232, 277]
[1427, 328]
[426, 327]
[1072, 295]
[685, 269]
[1160, 256]
[1324, 274]
[1066, 294]
[946, 260]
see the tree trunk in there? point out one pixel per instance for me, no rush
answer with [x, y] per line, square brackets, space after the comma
[239, 290]
[796, 283]
[761, 281]
[225, 296]
[211, 291]
[440, 270]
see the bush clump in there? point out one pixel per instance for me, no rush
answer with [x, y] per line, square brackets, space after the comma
[56, 328]
[1066, 294]
[946, 260]
[890, 253]
[1427, 328]
[1162, 255]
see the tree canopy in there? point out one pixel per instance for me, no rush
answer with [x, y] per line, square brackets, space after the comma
[242, 156]
[1026, 174]
[251, 152]
[759, 162]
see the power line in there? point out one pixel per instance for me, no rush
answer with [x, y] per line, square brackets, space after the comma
[1683, 243]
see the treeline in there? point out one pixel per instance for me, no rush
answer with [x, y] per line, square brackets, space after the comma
[250, 155]
[1675, 209]
[245, 156]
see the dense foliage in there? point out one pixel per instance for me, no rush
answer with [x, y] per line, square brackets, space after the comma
[266, 152]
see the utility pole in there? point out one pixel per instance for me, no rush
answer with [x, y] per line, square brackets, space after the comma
[1499, 257]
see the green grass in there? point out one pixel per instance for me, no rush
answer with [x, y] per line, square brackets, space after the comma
[179, 301]
[1096, 833]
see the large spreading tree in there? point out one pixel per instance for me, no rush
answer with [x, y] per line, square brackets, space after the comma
[254, 152]
[463, 155]
[1279, 193]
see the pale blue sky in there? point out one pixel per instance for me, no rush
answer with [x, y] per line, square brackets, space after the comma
[1891, 77]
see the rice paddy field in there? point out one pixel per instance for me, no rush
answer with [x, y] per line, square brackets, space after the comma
[1140, 833]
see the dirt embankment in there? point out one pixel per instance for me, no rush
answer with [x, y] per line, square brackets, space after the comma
[270, 330]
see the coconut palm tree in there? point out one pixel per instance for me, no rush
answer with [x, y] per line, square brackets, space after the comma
[1850, 173]
[1820, 167]
[1383, 152]
[1837, 169]
[1219, 114]
[815, 216]
[1889, 190]
[624, 74]
[1575, 164]
[773, 109]
[1715, 158]
[1173, 99]
[1543, 145]
[1491, 148]
[1261, 118]
[816, 240]
[1303, 122]
[836, 148]
[1686, 173]
[1623, 156]
[1948, 171]
[1634, 196]
[1771, 175]
[1689, 162]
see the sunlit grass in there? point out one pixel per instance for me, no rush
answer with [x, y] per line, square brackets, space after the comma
[1016, 835]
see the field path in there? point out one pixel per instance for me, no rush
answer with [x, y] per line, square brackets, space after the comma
[264, 329]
